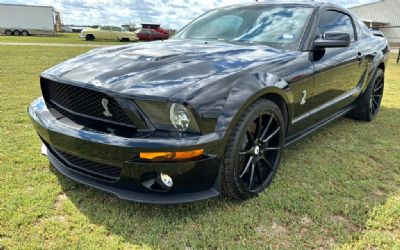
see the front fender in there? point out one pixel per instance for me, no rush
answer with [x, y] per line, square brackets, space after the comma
[245, 92]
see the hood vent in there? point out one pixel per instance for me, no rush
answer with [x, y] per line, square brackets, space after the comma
[152, 55]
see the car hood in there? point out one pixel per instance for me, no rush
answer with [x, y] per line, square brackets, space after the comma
[88, 29]
[160, 69]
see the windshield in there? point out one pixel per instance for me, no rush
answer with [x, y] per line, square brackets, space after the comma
[276, 26]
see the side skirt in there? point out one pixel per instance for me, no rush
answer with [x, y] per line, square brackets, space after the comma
[297, 137]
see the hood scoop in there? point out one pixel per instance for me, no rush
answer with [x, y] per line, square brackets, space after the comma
[151, 54]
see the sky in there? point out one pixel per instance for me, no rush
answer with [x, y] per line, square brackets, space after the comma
[170, 13]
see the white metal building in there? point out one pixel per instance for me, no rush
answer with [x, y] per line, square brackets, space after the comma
[384, 14]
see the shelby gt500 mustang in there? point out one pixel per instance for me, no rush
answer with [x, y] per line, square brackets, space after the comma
[210, 110]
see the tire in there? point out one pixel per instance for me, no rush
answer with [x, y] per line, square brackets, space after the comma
[369, 102]
[25, 33]
[254, 151]
[89, 37]
[8, 33]
[17, 33]
[124, 40]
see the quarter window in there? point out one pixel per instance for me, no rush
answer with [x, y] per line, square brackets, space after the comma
[331, 21]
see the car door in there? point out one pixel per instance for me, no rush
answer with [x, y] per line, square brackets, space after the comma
[338, 71]
[146, 34]
[116, 33]
[153, 35]
[104, 32]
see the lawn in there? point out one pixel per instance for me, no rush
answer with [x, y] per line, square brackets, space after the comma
[67, 38]
[338, 188]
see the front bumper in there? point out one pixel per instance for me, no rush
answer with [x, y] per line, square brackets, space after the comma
[193, 180]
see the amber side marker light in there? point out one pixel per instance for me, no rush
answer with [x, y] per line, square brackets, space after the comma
[170, 156]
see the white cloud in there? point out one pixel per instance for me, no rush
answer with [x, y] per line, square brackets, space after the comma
[169, 13]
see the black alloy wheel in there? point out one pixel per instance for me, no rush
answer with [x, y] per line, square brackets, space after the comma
[254, 151]
[259, 153]
[377, 93]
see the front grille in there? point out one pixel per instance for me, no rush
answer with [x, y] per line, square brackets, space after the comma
[73, 101]
[94, 169]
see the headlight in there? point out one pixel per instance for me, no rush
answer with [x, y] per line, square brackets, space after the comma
[179, 117]
[169, 116]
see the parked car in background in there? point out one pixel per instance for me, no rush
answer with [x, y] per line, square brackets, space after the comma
[107, 32]
[211, 110]
[151, 35]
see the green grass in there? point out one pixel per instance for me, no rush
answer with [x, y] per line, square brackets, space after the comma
[67, 38]
[336, 189]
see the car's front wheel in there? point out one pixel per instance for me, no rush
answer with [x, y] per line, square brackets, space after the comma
[254, 151]
[89, 37]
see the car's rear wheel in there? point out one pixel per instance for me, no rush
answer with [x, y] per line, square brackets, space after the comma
[8, 33]
[25, 33]
[124, 40]
[369, 103]
[89, 37]
[254, 151]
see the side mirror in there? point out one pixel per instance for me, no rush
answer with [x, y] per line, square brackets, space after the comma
[333, 40]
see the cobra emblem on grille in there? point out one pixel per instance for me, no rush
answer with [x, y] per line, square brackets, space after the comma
[106, 112]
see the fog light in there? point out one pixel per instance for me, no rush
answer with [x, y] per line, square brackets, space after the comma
[166, 181]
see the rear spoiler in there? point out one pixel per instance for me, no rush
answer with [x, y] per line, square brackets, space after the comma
[377, 33]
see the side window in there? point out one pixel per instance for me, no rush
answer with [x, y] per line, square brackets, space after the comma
[113, 28]
[362, 29]
[335, 21]
[105, 28]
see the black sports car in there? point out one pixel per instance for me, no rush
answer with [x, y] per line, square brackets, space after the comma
[211, 110]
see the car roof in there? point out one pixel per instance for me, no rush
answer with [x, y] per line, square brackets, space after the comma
[312, 4]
